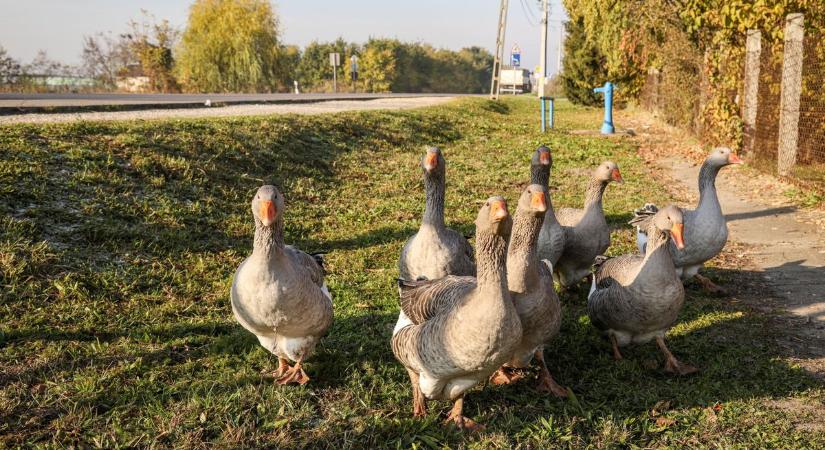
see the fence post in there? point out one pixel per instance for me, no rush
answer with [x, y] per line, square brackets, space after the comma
[791, 88]
[750, 101]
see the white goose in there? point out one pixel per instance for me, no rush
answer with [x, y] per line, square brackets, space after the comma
[278, 292]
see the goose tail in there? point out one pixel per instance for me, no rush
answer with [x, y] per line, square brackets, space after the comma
[641, 219]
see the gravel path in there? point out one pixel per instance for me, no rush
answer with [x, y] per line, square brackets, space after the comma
[233, 110]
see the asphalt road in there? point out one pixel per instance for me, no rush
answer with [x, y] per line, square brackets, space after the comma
[23, 102]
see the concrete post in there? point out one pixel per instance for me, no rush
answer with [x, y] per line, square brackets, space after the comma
[791, 88]
[750, 92]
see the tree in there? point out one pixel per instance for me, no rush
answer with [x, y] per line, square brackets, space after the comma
[377, 65]
[584, 66]
[230, 46]
[314, 70]
[105, 56]
[151, 43]
[9, 67]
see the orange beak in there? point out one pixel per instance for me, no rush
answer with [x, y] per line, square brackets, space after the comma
[544, 158]
[617, 176]
[430, 161]
[538, 202]
[267, 212]
[733, 159]
[678, 235]
[498, 211]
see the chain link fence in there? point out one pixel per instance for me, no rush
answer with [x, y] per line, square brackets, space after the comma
[765, 131]
[784, 113]
[810, 160]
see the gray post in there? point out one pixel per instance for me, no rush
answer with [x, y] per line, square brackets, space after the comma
[791, 88]
[750, 92]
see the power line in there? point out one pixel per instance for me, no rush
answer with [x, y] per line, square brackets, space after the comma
[525, 8]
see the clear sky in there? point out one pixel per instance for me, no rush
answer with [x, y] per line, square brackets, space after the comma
[58, 26]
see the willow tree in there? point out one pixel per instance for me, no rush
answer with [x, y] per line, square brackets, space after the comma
[230, 46]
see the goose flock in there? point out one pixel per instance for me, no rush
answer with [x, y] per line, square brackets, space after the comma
[473, 315]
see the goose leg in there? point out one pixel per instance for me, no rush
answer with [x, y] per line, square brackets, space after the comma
[672, 364]
[546, 381]
[294, 374]
[504, 375]
[617, 355]
[709, 286]
[419, 401]
[457, 417]
[283, 367]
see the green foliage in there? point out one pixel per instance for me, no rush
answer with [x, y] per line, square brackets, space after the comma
[687, 40]
[584, 66]
[391, 65]
[230, 46]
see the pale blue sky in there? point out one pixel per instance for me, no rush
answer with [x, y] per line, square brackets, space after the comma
[58, 26]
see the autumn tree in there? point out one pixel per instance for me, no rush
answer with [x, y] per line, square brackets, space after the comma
[230, 46]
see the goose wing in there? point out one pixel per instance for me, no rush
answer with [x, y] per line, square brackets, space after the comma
[421, 300]
[312, 265]
[569, 216]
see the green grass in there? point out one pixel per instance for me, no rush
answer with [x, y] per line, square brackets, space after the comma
[119, 240]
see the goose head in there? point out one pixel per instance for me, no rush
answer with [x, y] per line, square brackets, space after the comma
[494, 218]
[542, 157]
[669, 220]
[608, 171]
[722, 156]
[433, 162]
[533, 200]
[267, 205]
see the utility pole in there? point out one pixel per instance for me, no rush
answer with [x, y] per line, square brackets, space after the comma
[561, 41]
[495, 85]
[543, 54]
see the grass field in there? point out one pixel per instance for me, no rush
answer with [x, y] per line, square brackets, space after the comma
[118, 242]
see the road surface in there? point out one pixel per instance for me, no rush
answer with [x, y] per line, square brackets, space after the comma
[152, 112]
[12, 103]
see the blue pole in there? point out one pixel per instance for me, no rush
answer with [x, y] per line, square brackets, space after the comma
[607, 125]
[552, 110]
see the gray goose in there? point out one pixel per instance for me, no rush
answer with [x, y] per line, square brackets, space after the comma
[435, 251]
[278, 292]
[586, 234]
[637, 298]
[707, 230]
[460, 329]
[551, 237]
[531, 286]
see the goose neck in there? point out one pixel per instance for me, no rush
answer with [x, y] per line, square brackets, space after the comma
[491, 265]
[522, 253]
[540, 175]
[707, 186]
[594, 193]
[269, 241]
[434, 207]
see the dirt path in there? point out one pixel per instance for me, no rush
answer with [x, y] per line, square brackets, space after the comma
[234, 110]
[790, 252]
[776, 247]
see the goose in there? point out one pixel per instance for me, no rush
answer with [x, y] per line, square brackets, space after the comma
[707, 230]
[586, 234]
[531, 286]
[460, 329]
[278, 293]
[435, 251]
[636, 298]
[551, 237]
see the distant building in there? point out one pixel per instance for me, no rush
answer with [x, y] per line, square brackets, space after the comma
[132, 79]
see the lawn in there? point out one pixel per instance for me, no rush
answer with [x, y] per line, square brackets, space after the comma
[118, 242]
